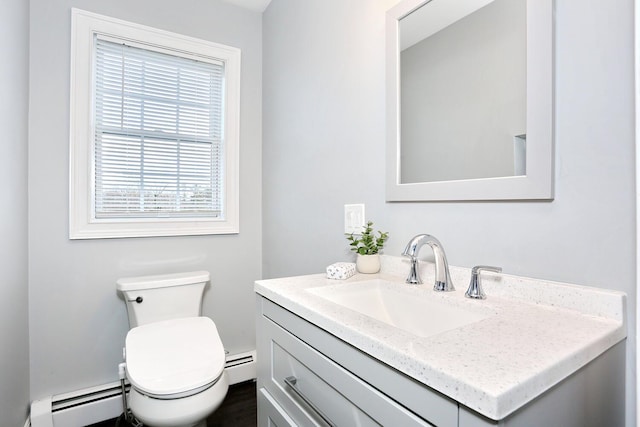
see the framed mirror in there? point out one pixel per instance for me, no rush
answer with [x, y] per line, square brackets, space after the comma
[470, 100]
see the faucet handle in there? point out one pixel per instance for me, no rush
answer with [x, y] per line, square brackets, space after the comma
[475, 286]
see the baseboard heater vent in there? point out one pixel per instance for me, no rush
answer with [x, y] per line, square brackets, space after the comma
[62, 403]
[240, 359]
[241, 367]
[78, 408]
[95, 404]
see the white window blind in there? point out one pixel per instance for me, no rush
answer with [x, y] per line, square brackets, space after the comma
[158, 134]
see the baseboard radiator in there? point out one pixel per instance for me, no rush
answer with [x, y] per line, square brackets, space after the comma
[92, 405]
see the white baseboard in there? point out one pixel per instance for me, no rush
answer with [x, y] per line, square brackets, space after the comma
[241, 367]
[95, 404]
[78, 408]
[88, 413]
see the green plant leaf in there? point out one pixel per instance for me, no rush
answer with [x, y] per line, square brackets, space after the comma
[367, 243]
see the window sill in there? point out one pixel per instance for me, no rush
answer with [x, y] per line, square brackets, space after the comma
[114, 229]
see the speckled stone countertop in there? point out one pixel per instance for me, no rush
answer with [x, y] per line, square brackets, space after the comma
[537, 332]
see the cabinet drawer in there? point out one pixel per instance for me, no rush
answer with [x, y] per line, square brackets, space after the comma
[315, 391]
[272, 415]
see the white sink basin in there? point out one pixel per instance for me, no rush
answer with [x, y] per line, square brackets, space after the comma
[403, 308]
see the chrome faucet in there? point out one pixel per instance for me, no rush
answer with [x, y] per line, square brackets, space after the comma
[443, 280]
[475, 285]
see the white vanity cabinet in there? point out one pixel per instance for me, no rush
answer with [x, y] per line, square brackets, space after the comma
[307, 377]
[541, 354]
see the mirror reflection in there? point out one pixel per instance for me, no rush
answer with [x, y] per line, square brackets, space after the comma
[463, 88]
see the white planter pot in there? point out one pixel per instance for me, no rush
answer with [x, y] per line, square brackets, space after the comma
[368, 264]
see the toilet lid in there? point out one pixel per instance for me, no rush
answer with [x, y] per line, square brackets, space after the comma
[174, 356]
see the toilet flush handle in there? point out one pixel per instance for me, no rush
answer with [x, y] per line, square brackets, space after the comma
[138, 300]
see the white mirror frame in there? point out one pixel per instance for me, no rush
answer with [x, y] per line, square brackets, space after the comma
[537, 184]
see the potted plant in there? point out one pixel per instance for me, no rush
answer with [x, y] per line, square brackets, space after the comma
[367, 247]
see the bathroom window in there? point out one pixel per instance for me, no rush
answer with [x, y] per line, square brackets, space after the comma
[154, 132]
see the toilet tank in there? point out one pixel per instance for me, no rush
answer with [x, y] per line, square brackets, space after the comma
[163, 297]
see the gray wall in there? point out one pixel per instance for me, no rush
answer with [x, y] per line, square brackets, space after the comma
[14, 326]
[323, 145]
[77, 320]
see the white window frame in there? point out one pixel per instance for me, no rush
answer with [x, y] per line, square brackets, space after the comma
[82, 221]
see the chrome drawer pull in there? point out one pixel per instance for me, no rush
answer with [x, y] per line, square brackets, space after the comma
[291, 382]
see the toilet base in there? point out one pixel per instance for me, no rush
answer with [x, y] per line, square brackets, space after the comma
[189, 411]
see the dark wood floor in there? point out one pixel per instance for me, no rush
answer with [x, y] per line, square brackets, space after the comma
[239, 409]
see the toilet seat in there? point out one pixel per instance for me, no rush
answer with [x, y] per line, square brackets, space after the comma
[174, 358]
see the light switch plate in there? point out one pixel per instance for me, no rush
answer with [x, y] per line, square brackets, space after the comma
[353, 218]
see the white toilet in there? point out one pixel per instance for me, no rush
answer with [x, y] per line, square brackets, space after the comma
[174, 357]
